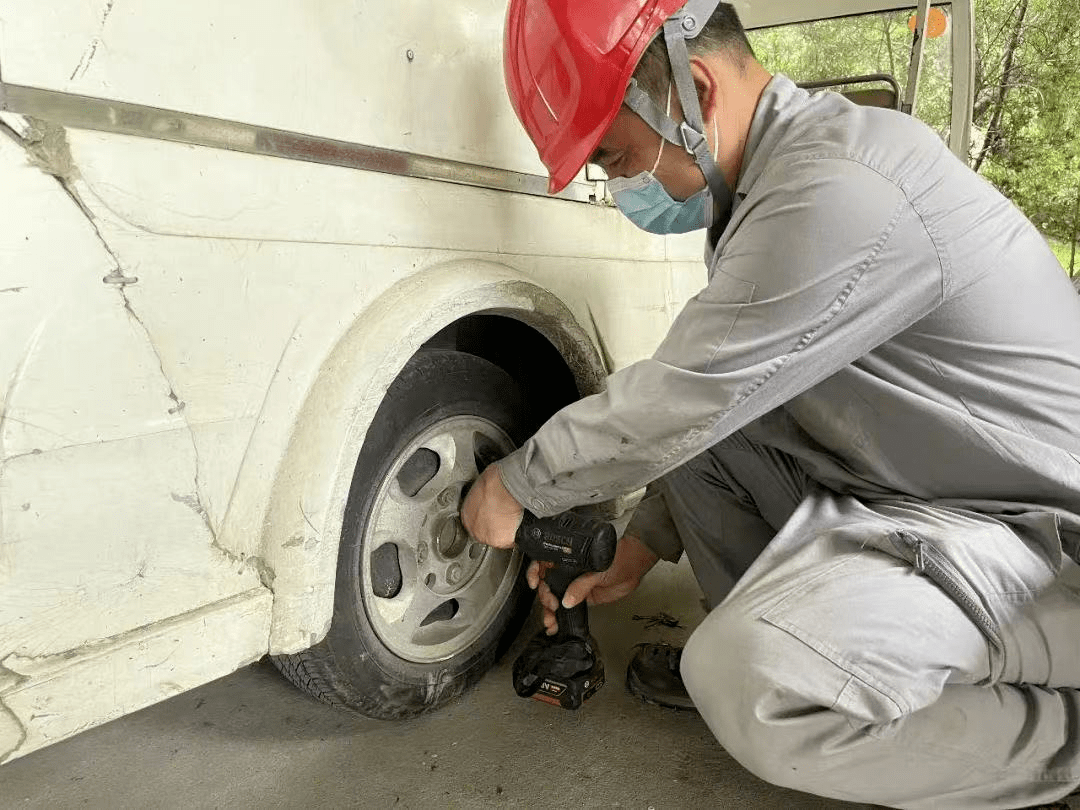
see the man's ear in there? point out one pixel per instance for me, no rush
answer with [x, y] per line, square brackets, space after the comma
[706, 82]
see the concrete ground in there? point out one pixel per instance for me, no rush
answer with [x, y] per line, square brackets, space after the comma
[252, 741]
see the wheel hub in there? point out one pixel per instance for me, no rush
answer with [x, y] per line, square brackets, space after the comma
[430, 590]
[451, 538]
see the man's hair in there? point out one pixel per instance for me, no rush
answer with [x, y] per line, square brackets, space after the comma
[723, 33]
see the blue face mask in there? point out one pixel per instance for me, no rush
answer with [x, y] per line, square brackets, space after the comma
[645, 202]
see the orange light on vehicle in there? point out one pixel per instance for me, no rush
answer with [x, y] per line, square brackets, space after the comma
[936, 26]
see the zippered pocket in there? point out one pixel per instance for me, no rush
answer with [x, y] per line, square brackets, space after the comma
[929, 561]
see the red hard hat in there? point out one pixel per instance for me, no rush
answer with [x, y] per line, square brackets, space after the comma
[567, 66]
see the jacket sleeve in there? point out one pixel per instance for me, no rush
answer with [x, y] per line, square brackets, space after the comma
[827, 261]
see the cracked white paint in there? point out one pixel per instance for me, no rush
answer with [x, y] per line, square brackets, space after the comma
[95, 43]
[58, 696]
[93, 442]
[16, 124]
[67, 322]
[109, 550]
[12, 733]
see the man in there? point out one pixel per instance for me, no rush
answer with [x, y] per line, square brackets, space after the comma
[863, 432]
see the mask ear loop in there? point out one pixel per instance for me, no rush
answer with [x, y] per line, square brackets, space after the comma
[716, 155]
[692, 131]
[663, 140]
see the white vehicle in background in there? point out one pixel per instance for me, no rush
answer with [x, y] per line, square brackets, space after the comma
[276, 279]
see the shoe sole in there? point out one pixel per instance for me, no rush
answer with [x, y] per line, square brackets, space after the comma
[638, 690]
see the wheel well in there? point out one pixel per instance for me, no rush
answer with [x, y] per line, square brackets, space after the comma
[543, 374]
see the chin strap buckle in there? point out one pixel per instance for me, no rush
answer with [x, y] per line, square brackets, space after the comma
[692, 140]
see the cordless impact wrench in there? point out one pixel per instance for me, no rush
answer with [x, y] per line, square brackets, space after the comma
[564, 669]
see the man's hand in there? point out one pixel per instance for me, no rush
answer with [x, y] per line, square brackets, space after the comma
[633, 559]
[490, 513]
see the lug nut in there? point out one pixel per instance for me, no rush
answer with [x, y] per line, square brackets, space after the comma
[451, 538]
[453, 574]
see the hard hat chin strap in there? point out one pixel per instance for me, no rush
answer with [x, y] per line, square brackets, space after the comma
[690, 134]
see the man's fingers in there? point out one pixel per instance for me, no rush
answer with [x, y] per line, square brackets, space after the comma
[536, 572]
[580, 589]
[550, 625]
[547, 598]
[489, 512]
[550, 605]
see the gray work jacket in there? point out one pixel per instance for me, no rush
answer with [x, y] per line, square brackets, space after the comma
[902, 327]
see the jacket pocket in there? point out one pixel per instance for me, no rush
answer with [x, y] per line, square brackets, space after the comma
[808, 614]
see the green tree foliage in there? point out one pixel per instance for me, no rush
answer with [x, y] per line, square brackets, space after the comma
[859, 46]
[1027, 109]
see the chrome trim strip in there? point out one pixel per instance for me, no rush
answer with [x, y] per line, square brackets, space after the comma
[122, 118]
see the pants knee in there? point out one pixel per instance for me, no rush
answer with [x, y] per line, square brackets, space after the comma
[735, 669]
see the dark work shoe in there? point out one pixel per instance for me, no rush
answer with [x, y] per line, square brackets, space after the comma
[653, 675]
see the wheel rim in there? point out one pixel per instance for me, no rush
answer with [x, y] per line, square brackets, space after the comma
[428, 589]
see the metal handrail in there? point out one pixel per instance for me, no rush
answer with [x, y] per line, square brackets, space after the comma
[867, 79]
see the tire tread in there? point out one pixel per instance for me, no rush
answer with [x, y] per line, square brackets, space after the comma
[344, 670]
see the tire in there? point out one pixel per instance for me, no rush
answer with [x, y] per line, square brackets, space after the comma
[420, 611]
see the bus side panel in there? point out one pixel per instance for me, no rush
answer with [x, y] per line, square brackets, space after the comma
[102, 525]
[62, 696]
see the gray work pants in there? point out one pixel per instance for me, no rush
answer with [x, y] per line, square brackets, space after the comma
[845, 657]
